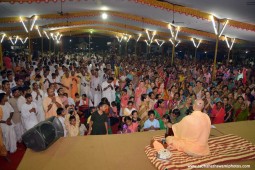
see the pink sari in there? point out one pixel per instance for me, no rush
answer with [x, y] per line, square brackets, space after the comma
[138, 93]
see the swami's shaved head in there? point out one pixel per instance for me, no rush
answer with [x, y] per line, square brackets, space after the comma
[198, 105]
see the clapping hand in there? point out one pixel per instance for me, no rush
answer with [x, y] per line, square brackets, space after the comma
[54, 99]
[8, 122]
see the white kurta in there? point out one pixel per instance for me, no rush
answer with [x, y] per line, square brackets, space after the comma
[9, 135]
[109, 93]
[39, 104]
[29, 118]
[97, 95]
[85, 86]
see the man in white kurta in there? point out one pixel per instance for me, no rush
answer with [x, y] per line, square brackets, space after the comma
[28, 112]
[19, 129]
[96, 89]
[38, 95]
[108, 89]
[9, 135]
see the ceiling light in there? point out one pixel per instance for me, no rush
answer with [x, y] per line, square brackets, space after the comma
[104, 8]
[3, 37]
[46, 34]
[21, 20]
[33, 23]
[138, 37]
[104, 16]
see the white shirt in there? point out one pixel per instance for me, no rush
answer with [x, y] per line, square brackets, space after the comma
[109, 93]
[29, 118]
[39, 100]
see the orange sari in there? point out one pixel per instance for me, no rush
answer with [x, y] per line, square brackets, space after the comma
[74, 88]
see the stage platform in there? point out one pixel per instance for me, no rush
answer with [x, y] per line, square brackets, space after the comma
[115, 152]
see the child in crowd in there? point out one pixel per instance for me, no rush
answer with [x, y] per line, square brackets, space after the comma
[72, 122]
[151, 124]
[84, 106]
[124, 100]
[131, 127]
[113, 116]
[82, 129]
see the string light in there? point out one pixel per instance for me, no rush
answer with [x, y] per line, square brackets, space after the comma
[171, 30]
[147, 42]
[178, 28]
[138, 37]
[3, 37]
[26, 40]
[147, 32]
[33, 23]
[23, 24]
[38, 30]
[46, 34]
[11, 40]
[52, 36]
[214, 26]
[178, 43]
[232, 42]
[159, 44]
[226, 23]
[16, 39]
[199, 43]
[193, 42]
[129, 38]
[59, 37]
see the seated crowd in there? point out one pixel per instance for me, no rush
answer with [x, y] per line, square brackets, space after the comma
[91, 97]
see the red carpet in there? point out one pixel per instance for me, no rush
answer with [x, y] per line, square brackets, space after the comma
[15, 158]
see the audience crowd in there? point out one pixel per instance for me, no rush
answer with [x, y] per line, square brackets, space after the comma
[91, 95]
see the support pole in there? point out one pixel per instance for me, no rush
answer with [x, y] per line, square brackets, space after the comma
[29, 41]
[89, 43]
[216, 51]
[50, 45]
[195, 54]
[1, 56]
[228, 56]
[173, 53]
[42, 46]
[126, 49]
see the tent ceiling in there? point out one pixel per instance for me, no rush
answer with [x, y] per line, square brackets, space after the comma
[238, 11]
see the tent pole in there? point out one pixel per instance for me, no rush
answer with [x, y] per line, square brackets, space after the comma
[1, 56]
[216, 51]
[228, 56]
[173, 51]
[195, 54]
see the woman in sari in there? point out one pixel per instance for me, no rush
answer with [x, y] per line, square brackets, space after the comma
[186, 105]
[242, 113]
[218, 113]
[138, 92]
[144, 108]
[160, 111]
[208, 103]
[237, 104]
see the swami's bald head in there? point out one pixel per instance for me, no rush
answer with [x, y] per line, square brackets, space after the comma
[198, 105]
